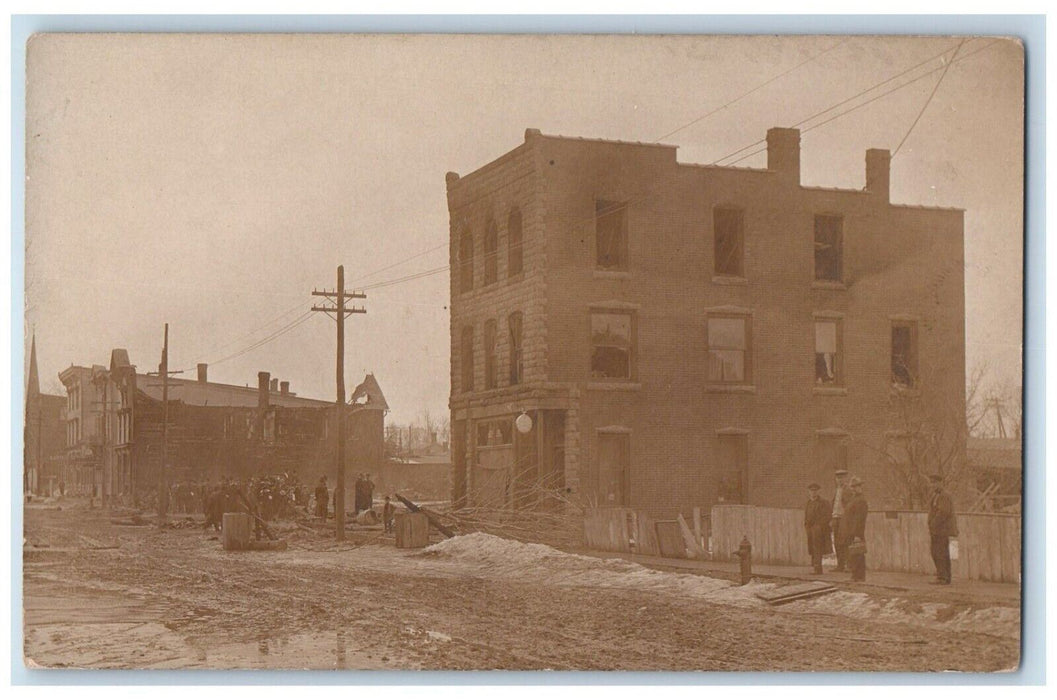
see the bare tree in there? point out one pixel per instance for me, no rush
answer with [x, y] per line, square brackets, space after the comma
[925, 435]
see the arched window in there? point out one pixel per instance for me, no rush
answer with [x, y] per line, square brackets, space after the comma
[515, 254]
[491, 248]
[466, 260]
[516, 367]
[490, 378]
[466, 358]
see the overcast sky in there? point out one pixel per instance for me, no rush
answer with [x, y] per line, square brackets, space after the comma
[212, 181]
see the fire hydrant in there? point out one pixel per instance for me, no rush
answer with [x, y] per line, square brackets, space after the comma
[745, 554]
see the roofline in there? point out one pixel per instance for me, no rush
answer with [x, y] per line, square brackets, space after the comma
[249, 389]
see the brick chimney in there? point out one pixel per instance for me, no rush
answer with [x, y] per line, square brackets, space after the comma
[203, 372]
[783, 153]
[284, 388]
[262, 389]
[878, 169]
[274, 386]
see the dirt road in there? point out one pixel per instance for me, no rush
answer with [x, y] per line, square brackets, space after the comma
[99, 595]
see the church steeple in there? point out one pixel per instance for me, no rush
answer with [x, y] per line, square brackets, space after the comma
[33, 385]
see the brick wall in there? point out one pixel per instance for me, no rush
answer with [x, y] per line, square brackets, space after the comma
[898, 262]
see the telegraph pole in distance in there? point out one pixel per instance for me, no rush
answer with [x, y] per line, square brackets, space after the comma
[163, 479]
[340, 311]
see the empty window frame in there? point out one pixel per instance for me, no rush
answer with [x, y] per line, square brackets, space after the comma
[613, 467]
[728, 230]
[829, 370]
[611, 345]
[491, 251]
[495, 433]
[466, 358]
[905, 354]
[829, 248]
[729, 349]
[514, 321]
[490, 373]
[466, 260]
[611, 235]
[515, 235]
[732, 473]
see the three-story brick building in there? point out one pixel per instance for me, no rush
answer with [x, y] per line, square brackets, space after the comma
[682, 335]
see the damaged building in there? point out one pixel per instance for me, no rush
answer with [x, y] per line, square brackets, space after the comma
[115, 436]
[630, 330]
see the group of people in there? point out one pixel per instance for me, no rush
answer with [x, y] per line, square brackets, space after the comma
[840, 526]
[363, 498]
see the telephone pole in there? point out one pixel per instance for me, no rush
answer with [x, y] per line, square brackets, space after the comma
[340, 311]
[163, 477]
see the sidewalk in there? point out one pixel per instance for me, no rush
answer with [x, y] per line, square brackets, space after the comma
[887, 583]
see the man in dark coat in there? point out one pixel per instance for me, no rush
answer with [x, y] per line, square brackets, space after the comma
[854, 530]
[841, 498]
[322, 494]
[816, 524]
[942, 527]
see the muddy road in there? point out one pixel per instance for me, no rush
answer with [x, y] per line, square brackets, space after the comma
[99, 595]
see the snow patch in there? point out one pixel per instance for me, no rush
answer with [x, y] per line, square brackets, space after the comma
[504, 558]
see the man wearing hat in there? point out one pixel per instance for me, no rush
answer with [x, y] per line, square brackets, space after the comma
[840, 501]
[942, 527]
[816, 523]
[854, 529]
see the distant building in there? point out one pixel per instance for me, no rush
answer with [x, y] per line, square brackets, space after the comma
[997, 469]
[115, 436]
[684, 335]
[43, 434]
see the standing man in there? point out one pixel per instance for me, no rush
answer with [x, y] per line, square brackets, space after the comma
[322, 494]
[816, 524]
[942, 527]
[368, 492]
[841, 497]
[854, 529]
[387, 514]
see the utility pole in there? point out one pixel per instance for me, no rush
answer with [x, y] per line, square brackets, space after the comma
[340, 311]
[163, 477]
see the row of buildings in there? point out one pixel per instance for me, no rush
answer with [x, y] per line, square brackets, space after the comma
[105, 437]
[683, 335]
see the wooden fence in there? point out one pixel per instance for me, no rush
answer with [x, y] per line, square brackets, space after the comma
[616, 529]
[988, 544]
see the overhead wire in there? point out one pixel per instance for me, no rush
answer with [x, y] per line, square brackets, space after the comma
[929, 100]
[434, 271]
[750, 92]
[861, 104]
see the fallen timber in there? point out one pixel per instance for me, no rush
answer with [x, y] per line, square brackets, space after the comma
[432, 517]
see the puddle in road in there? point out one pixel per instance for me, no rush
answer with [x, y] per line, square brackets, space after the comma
[309, 651]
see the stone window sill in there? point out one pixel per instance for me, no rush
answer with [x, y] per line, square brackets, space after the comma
[823, 284]
[897, 390]
[730, 388]
[829, 391]
[614, 386]
[611, 274]
[730, 281]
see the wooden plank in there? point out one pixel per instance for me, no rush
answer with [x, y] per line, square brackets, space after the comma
[670, 539]
[689, 540]
[698, 539]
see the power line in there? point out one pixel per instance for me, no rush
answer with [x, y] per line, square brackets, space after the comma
[863, 104]
[931, 95]
[755, 89]
[408, 278]
[398, 263]
[284, 314]
[847, 100]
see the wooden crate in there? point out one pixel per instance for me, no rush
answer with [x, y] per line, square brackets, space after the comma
[412, 530]
[237, 531]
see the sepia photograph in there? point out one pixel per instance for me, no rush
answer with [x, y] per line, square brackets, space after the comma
[523, 352]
